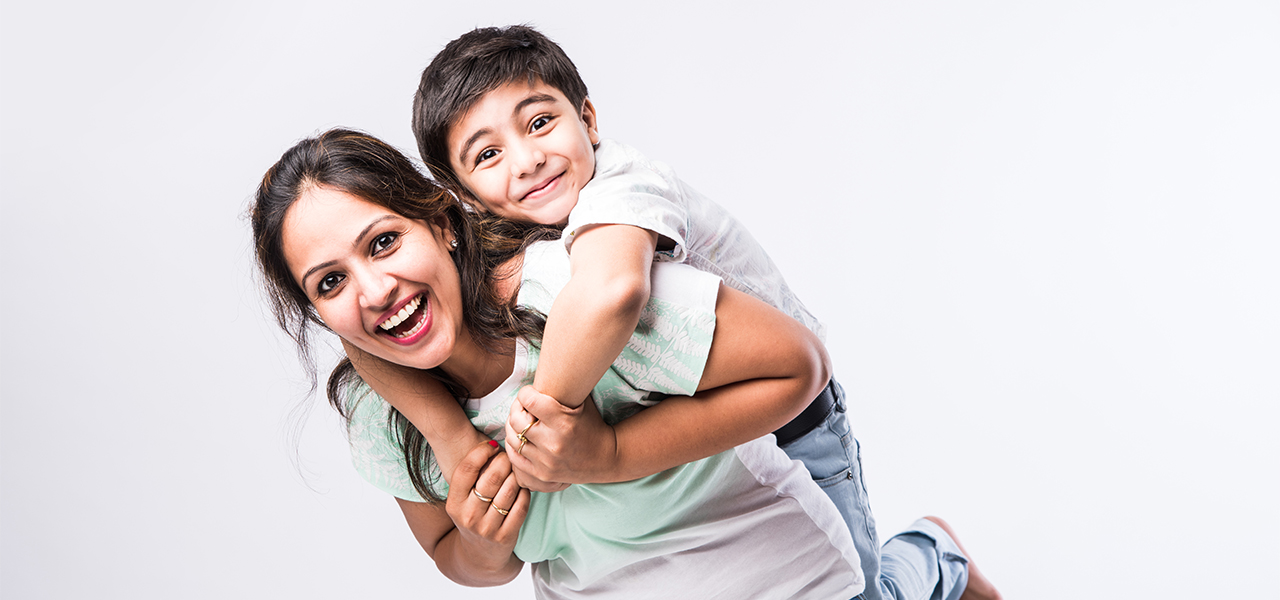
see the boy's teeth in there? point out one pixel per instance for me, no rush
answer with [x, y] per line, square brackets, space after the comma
[404, 313]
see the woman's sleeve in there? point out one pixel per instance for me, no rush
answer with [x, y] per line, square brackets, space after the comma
[374, 453]
[668, 352]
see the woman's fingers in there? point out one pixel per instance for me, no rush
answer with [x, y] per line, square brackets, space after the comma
[491, 477]
[520, 425]
[515, 515]
[560, 444]
[468, 474]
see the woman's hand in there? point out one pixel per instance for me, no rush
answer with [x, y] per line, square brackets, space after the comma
[487, 507]
[559, 444]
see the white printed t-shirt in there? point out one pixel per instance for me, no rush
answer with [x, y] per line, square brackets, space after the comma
[629, 189]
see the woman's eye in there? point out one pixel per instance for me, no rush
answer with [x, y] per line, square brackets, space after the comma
[328, 282]
[486, 155]
[539, 123]
[384, 241]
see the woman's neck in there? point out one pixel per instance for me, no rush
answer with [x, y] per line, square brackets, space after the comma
[475, 368]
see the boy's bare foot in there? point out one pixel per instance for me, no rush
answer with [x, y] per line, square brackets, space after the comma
[979, 587]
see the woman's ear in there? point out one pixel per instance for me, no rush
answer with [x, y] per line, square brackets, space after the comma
[442, 229]
[589, 119]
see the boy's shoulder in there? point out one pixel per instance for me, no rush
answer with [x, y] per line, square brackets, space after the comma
[613, 156]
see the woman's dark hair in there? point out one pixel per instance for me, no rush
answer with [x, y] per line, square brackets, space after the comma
[368, 168]
[478, 62]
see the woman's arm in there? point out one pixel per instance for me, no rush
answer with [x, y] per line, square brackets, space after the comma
[763, 369]
[425, 402]
[470, 540]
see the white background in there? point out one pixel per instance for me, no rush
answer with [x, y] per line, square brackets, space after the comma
[1043, 237]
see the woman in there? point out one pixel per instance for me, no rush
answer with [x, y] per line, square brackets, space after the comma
[351, 237]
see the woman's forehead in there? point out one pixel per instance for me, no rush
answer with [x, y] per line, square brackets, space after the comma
[323, 224]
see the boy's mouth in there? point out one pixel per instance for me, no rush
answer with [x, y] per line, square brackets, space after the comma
[407, 322]
[537, 191]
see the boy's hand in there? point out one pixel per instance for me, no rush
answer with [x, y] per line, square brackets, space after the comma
[568, 445]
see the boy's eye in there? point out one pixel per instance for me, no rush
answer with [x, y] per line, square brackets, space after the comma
[384, 241]
[328, 282]
[486, 155]
[539, 123]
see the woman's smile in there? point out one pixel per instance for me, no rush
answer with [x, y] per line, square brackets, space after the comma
[410, 323]
[383, 282]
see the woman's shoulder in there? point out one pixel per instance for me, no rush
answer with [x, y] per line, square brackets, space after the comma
[543, 274]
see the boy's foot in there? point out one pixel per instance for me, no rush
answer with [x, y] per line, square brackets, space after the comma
[979, 587]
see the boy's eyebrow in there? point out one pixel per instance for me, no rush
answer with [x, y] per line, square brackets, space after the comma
[466, 147]
[531, 99]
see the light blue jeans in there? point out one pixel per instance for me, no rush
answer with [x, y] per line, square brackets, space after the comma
[921, 563]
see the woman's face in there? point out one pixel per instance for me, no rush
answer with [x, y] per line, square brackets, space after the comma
[381, 281]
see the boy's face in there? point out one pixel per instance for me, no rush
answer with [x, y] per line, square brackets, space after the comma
[525, 152]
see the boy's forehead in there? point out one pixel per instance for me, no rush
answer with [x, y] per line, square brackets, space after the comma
[500, 105]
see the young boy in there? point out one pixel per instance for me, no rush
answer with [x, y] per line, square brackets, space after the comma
[503, 115]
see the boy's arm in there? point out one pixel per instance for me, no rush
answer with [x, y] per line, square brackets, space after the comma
[764, 368]
[425, 402]
[595, 314]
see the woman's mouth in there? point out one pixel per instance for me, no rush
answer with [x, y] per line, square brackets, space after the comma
[404, 326]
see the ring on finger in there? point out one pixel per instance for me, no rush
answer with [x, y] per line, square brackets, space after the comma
[526, 429]
[502, 511]
[477, 493]
[520, 450]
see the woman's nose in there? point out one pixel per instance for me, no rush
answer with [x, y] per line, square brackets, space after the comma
[377, 290]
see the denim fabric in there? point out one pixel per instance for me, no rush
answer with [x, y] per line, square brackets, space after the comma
[918, 564]
[921, 563]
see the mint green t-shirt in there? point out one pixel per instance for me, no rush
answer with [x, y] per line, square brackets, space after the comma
[748, 507]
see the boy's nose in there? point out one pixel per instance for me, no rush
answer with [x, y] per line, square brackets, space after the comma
[527, 161]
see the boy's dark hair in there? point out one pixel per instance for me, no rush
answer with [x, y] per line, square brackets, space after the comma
[478, 62]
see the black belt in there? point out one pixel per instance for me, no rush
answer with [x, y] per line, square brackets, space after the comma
[809, 417]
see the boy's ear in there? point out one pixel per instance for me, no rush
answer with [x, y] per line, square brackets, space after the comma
[589, 119]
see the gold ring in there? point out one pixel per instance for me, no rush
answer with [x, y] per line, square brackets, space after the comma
[477, 493]
[501, 511]
[526, 429]
[520, 450]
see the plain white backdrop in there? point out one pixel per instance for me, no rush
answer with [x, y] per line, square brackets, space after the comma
[1043, 236]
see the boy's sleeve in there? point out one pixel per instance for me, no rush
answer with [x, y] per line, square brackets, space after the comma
[628, 190]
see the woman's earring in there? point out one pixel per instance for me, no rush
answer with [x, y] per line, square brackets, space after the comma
[453, 244]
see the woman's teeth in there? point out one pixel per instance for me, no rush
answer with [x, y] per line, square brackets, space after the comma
[404, 313]
[414, 331]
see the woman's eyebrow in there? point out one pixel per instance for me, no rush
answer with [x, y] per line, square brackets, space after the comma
[355, 243]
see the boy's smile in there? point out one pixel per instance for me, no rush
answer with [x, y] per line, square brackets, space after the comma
[525, 152]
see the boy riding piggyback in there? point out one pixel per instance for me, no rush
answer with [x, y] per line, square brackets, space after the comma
[504, 115]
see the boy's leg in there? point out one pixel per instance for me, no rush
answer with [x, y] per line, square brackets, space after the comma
[832, 456]
[925, 561]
